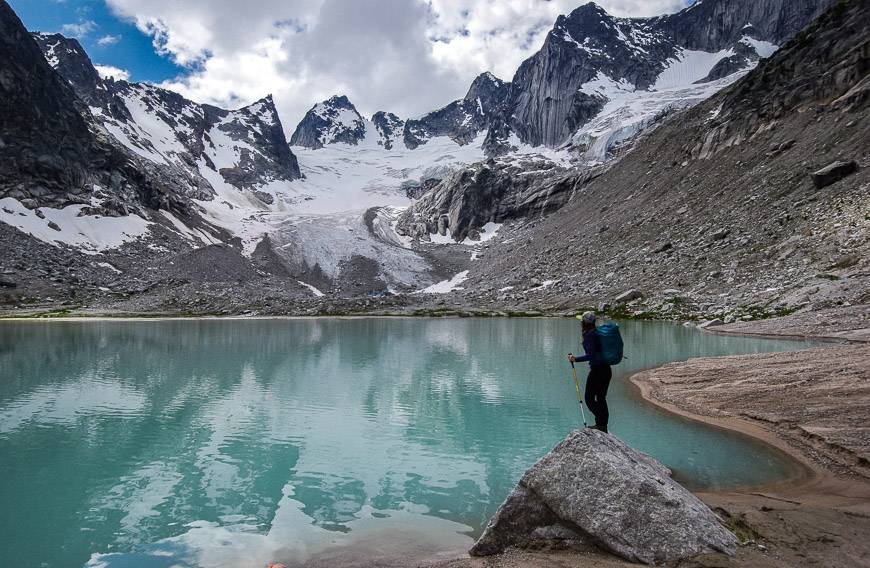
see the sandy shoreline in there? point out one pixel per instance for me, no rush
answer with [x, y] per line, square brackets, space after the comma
[821, 516]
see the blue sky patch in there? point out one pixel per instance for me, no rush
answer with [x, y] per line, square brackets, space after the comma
[109, 40]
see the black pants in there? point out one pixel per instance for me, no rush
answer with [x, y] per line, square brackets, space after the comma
[596, 394]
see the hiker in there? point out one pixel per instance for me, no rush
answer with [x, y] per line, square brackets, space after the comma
[599, 372]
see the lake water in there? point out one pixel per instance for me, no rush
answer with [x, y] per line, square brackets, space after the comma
[233, 443]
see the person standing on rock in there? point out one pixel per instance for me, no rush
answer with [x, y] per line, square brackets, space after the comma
[599, 372]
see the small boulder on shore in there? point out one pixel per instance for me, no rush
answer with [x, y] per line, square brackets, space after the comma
[593, 491]
[629, 296]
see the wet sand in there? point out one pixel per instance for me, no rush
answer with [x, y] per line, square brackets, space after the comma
[814, 405]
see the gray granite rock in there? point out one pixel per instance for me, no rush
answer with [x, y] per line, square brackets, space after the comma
[628, 296]
[593, 489]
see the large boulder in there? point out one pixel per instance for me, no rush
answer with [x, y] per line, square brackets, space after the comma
[593, 490]
[833, 173]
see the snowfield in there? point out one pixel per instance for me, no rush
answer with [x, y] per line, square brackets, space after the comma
[90, 234]
[628, 111]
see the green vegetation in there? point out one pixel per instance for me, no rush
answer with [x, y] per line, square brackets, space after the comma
[745, 534]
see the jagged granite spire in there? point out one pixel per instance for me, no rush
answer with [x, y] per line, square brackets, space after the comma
[464, 119]
[547, 103]
[389, 127]
[332, 121]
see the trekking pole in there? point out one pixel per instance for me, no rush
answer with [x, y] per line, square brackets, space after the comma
[579, 398]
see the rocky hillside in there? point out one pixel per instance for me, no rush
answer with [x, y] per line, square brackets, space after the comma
[493, 191]
[719, 210]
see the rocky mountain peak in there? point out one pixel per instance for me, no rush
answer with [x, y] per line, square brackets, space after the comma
[68, 57]
[264, 109]
[609, 55]
[332, 121]
[389, 127]
[489, 90]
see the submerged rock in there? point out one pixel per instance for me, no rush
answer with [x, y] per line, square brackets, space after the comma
[593, 490]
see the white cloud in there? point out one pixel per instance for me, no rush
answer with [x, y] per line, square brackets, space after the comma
[78, 30]
[109, 39]
[116, 73]
[404, 56]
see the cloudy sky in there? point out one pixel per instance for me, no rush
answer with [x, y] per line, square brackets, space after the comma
[405, 56]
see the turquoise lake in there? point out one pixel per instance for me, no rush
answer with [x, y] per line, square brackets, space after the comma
[235, 443]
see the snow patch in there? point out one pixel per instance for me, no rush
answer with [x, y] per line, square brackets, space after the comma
[446, 286]
[764, 49]
[317, 293]
[110, 267]
[90, 233]
[689, 66]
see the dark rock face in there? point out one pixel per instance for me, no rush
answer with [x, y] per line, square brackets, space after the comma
[491, 91]
[460, 120]
[593, 490]
[47, 150]
[711, 26]
[826, 61]
[417, 189]
[389, 127]
[492, 191]
[547, 105]
[334, 120]
[68, 58]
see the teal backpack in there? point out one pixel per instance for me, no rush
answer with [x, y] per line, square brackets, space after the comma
[611, 343]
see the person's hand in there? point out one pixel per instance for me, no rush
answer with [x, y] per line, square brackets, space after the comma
[571, 357]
